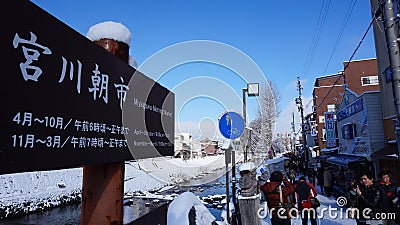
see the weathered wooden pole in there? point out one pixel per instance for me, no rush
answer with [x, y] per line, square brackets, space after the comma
[103, 184]
[249, 200]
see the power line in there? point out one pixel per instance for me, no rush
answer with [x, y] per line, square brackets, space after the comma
[306, 106]
[345, 21]
[348, 63]
[317, 34]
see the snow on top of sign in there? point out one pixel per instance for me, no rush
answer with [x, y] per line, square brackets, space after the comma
[111, 30]
[132, 62]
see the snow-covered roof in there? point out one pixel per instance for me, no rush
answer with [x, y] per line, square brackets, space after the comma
[110, 30]
[359, 60]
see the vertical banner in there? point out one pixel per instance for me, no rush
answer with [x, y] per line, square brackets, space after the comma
[330, 130]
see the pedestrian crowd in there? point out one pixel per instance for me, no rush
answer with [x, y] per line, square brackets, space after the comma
[379, 199]
[283, 192]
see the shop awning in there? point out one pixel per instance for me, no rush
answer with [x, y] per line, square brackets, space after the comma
[329, 150]
[345, 160]
[389, 152]
[313, 148]
[323, 156]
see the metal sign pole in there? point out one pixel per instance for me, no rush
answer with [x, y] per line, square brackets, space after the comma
[227, 161]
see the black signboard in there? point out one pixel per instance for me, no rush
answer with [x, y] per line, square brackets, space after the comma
[67, 102]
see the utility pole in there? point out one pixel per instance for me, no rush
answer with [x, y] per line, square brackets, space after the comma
[299, 102]
[393, 51]
[294, 134]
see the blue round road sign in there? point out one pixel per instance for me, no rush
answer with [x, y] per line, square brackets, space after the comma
[231, 125]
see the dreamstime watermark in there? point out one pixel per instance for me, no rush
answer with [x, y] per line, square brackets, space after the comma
[330, 211]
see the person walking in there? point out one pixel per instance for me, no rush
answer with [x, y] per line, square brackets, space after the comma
[261, 180]
[277, 196]
[328, 182]
[305, 191]
[366, 198]
[292, 176]
[320, 177]
[389, 200]
[311, 175]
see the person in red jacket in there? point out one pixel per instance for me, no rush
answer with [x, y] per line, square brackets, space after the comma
[271, 192]
[389, 200]
[303, 191]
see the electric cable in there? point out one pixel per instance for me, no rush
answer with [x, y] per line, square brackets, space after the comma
[345, 21]
[317, 34]
[347, 64]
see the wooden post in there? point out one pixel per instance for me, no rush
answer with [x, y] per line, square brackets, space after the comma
[249, 200]
[102, 194]
[248, 210]
[103, 185]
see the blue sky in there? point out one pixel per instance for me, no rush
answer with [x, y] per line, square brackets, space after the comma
[275, 35]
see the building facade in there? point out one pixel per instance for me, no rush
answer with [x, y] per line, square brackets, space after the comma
[358, 75]
[326, 97]
[360, 125]
[387, 158]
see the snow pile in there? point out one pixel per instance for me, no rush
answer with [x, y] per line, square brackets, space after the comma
[138, 180]
[110, 30]
[224, 214]
[187, 207]
[178, 171]
[23, 193]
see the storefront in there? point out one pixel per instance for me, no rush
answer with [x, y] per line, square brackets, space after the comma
[326, 153]
[347, 168]
[387, 159]
[360, 132]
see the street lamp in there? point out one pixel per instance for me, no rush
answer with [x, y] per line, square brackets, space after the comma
[252, 90]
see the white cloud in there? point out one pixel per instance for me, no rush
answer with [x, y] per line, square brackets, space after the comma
[293, 84]
[284, 122]
[206, 128]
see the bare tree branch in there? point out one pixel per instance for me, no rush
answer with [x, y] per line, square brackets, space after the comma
[263, 126]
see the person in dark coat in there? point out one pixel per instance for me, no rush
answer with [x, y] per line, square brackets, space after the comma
[366, 197]
[311, 174]
[328, 182]
[320, 177]
[389, 200]
[271, 192]
[303, 191]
